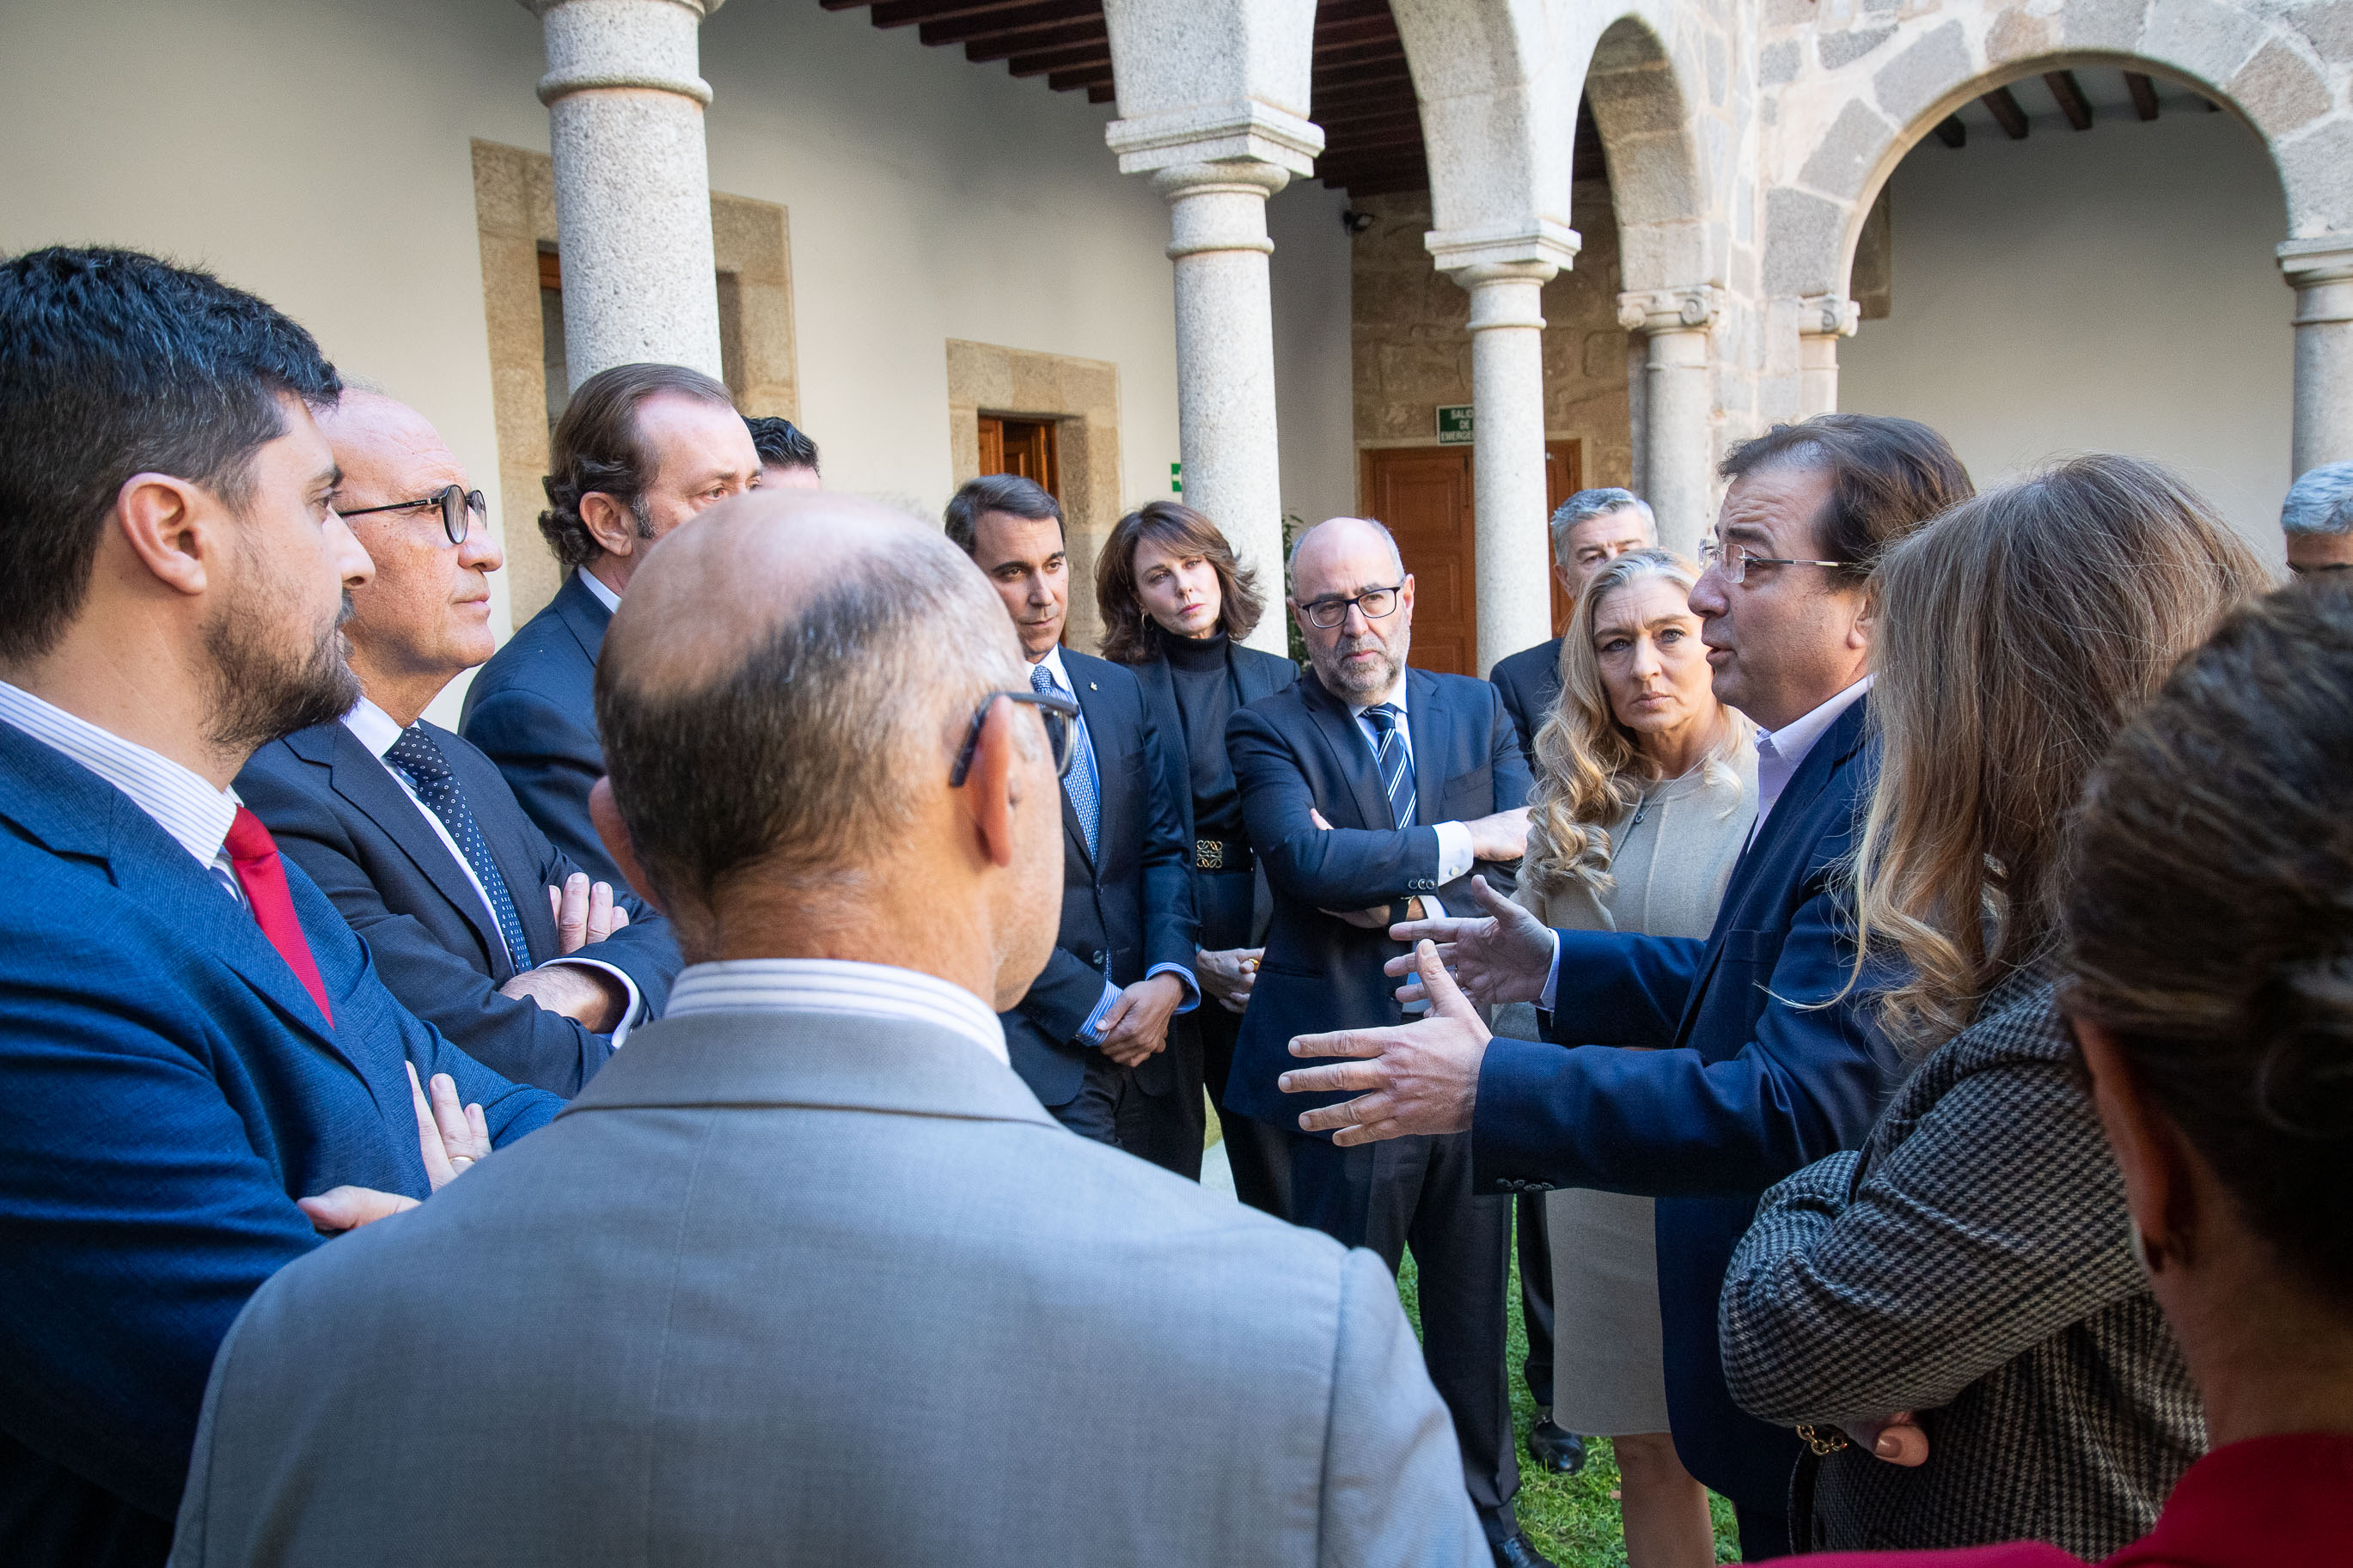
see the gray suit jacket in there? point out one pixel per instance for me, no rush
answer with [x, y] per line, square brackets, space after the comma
[812, 1288]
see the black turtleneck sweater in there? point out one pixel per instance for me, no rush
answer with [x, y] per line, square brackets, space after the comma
[1204, 677]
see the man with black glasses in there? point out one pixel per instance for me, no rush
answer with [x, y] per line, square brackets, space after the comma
[478, 923]
[1371, 790]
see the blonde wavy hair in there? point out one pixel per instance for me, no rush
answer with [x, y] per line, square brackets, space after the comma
[2013, 637]
[1588, 766]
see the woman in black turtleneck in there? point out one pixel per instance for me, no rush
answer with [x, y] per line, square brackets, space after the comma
[1174, 607]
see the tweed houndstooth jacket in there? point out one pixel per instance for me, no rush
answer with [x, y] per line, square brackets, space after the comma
[1969, 1263]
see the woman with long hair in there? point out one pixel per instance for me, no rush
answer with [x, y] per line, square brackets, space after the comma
[1175, 606]
[1646, 786]
[2204, 953]
[1949, 1315]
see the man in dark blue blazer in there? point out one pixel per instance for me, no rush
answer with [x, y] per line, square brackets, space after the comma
[641, 449]
[478, 924]
[1090, 1039]
[1371, 790]
[1774, 1060]
[202, 1072]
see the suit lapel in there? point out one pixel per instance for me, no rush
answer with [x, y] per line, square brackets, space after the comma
[1345, 739]
[1430, 724]
[583, 614]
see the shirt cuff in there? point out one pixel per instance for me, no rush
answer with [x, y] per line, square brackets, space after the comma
[1185, 978]
[1090, 1032]
[1552, 976]
[1454, 856]
[632, 1011]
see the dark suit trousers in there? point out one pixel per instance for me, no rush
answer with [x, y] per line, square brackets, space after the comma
[1535, 1239]
[1259, 1155]
[1111, 1108]
[1416, 1192]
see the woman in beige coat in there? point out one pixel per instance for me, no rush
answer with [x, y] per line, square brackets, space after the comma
[1646, 787]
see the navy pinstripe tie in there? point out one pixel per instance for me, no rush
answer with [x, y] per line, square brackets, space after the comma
[416, 755]
[1396, 764]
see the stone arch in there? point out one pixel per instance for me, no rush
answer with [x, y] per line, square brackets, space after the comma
[2258, 65]
[1498, 100]
[1649, 136]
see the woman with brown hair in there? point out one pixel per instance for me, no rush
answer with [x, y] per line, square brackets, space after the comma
[1175, 606]
[1646, 786]
[1950, 1315]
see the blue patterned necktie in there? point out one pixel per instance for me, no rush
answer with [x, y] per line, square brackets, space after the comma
[416, 755]
[1394, 762]
[1080, 781]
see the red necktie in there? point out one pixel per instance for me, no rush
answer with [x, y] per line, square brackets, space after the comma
[254, 856]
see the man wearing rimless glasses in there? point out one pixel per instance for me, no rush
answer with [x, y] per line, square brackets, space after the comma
[478, 924]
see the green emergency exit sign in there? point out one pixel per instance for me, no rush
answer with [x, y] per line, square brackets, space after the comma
[1454, 425]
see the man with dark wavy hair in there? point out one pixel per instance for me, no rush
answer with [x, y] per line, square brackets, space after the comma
[640, 449]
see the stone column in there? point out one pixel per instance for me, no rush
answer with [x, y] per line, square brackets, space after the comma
[2321, 273]
[1678, 476]
[1505, 275]
[632, 182]
[1215, 170]
[1822, 320]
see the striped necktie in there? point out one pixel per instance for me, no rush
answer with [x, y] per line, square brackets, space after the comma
[417, 756]
[1086, 796]
[1396, 764]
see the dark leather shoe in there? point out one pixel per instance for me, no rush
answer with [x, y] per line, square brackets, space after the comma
[1554, 1448]
[1515, 1552]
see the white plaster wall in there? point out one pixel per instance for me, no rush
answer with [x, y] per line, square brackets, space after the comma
[1314, 406]
[2109, 290]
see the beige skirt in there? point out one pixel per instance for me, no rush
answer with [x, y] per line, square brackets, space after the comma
[1608, 1372]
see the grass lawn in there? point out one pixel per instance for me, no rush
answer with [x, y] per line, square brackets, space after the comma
[1573, 1519]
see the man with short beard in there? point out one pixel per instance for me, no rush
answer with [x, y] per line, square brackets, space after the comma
[202, 1073]
[1371, 792]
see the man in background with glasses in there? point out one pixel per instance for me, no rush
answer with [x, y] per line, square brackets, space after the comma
[1781, 1063]
[1371, 790]
[1091, 1038]
[478, 924]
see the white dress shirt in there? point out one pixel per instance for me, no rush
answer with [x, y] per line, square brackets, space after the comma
[1454, 856]
[379, 731]
[836, 985]
[182, 802]
[1779, 754]
[604, 596]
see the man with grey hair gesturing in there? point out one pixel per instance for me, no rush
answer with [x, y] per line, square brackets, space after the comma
[851, 1294]
[2318, 518]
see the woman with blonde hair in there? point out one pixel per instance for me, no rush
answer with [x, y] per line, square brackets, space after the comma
[1646, 789]
[1951, 1315]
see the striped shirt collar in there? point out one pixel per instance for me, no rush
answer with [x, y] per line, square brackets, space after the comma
[835, 985]
[182, 803]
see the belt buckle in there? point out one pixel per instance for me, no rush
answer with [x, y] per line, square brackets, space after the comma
[1208, 855]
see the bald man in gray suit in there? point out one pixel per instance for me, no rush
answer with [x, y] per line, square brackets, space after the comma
[806, 1274]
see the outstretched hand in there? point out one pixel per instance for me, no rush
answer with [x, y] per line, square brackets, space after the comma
[1503, 956]
[1415, 1077]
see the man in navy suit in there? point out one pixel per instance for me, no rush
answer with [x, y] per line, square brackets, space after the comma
[202, 1072]
[1775, 1061]
[478, 924]
[1091, 1038]
[640, 449]
[1370, 792]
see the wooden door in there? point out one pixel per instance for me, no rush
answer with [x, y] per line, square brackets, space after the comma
[1023, 447]
[1423, 494]
[1564, 477]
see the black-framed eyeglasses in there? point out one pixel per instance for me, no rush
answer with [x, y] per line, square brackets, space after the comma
[1378, 604]
[2318, 568]
[1734, 560]
[459, 507]
[1055, 709]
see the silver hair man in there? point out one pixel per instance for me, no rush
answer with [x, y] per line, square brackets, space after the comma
[1593, 528]
[2318, 518]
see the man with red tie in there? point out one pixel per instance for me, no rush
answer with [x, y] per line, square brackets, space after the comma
[200, 1073]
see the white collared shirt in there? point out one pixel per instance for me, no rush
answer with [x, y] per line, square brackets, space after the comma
[182, 802]
[379, 731]
[605, 595]
[836, 985]
[1454, 856]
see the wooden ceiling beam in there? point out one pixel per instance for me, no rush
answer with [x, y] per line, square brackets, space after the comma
[1034, 15]
[1952, 132]
[1101, 92]
[2003, 107]
[907, 13]
[2069, 94]
[1047, 61]
[1033, 40]
[1365, 51]
[2144, 94]
[1084, 76]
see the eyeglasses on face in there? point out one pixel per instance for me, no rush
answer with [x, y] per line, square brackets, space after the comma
[1378, 604]
[1734, 560]
[458, 506]
[1062, 733]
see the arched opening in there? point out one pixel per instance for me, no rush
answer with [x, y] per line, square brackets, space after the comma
[2082, 259]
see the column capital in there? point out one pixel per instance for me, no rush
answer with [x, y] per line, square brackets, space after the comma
[2328, 259]
[638, 45]
[1669, 309]
[1828, 316]
[1472, 255]
[1247, 131]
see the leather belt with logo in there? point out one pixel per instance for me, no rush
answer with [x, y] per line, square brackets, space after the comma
[1228, 855]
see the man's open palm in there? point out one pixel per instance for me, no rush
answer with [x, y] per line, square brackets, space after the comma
[1503, 957]
[1413, 1078]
